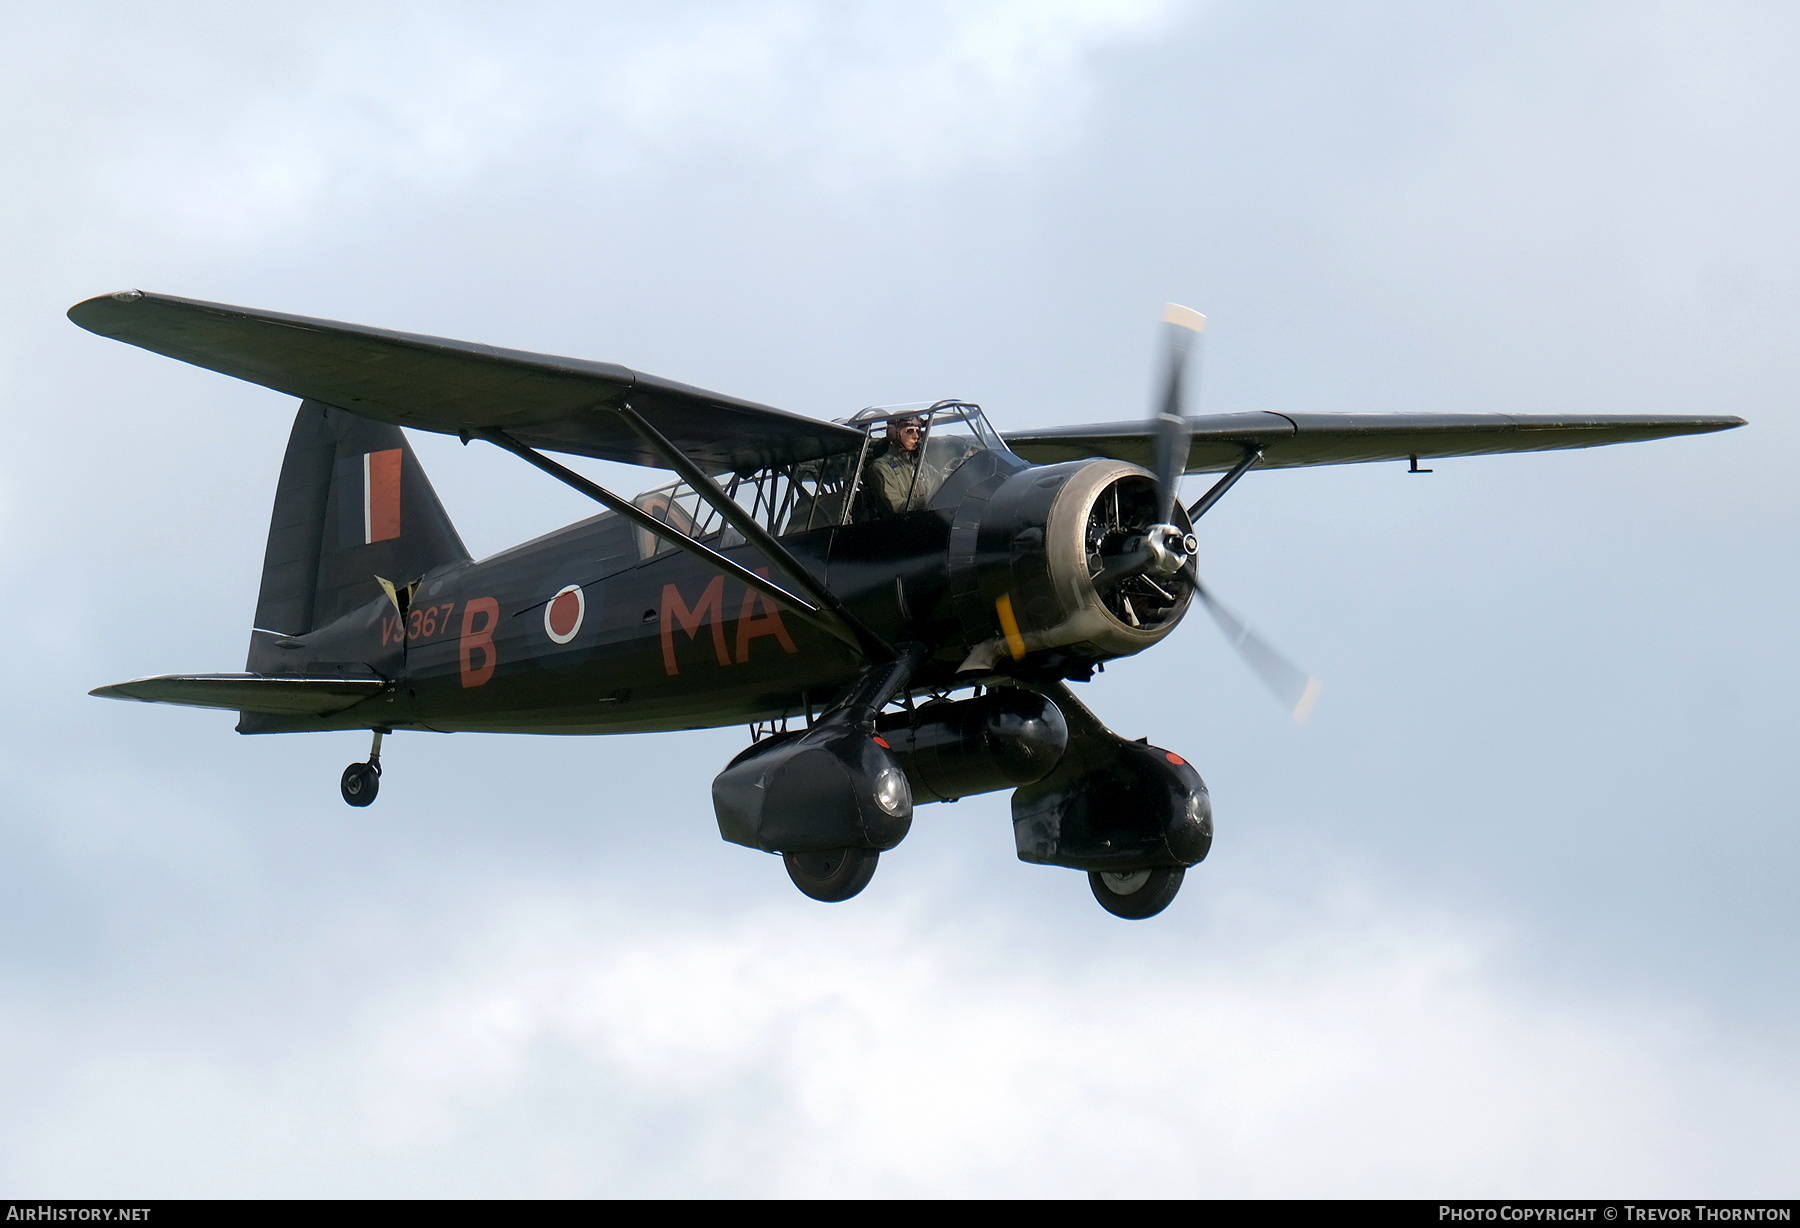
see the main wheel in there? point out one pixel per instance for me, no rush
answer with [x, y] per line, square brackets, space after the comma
[360, 784]
[832, 875]
[1136, 894]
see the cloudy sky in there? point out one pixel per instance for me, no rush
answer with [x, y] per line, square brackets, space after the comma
[1514, 913]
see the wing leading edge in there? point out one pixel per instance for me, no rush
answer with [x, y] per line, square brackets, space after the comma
[458, 387]
[1289, 440]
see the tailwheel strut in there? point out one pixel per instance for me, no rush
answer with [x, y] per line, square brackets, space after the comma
[362, 781]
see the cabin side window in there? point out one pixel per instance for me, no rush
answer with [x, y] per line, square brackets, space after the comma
[783, 499]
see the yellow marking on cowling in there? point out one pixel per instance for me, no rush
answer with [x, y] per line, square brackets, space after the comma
[1015, 643]
[1184, 317]
[1308, 699]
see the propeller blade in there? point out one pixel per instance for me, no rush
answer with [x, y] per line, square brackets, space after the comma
[1184, 328]
[1294, 687]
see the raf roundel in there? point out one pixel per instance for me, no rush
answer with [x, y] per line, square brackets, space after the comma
[563, 614]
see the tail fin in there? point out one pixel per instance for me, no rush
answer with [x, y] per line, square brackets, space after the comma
[352, 505]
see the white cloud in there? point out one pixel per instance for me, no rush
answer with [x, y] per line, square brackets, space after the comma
[1349, 1051]
[871, 94]
[233, 134]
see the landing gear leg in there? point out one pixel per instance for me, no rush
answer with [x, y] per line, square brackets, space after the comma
[362, 781]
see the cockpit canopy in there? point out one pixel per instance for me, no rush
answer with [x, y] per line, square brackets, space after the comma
[943, 419]
[913, 450]
[884, 478]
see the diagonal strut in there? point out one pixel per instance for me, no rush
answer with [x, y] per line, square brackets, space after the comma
[872, 645]
[822, 620]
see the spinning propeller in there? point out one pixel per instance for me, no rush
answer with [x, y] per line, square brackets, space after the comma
[1163, 554]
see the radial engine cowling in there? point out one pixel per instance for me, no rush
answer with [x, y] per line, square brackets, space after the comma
[1022, 566]
[1006, 738]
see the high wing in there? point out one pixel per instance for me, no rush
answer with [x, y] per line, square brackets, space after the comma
[462, 388]
[1220, 441]
[247, 692]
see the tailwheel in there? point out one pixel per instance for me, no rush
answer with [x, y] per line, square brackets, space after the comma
[1136, 894]
[360, 783]
[831, 875]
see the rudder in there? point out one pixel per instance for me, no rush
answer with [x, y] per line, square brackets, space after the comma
[352, 503]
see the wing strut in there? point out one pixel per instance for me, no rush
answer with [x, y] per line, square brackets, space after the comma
[872, 645]
[1201, 505]
[822, 620]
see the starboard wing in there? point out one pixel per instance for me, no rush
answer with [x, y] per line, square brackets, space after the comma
[248, 692]
[458, 387]
[1220, 441]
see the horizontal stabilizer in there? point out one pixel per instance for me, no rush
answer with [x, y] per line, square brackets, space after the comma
[247, 692]
[1219, 441]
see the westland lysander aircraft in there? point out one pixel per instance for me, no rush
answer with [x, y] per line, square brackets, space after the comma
[832, 585]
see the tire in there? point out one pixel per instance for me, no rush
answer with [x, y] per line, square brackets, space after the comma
[1136, 894]
[360, 784]
[833, 875]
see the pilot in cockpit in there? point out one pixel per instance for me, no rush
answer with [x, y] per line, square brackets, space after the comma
[897, 481]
